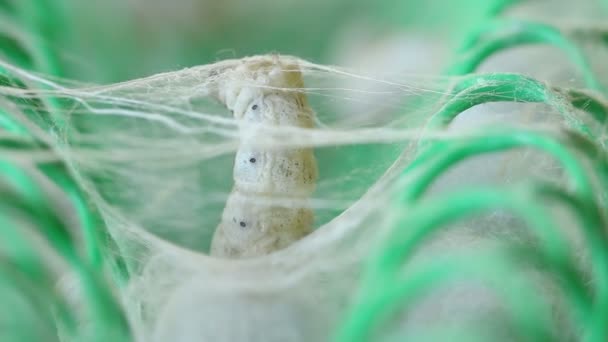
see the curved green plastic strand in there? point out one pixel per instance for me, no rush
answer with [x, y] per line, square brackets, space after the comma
[12, 49]
[28, 265]
[429, 217]
[519, 32]
[594, 322]
[40, 298]
[599, 159]
[31, 191]
[108, 313]
[480, 89]
[8, 124]
[576, 169]
[49, 119]
[590, 103]
[12, 39]
[90, 222]
[449, 153]
[593, 227]
[384, 298]
[477, 89]
[520, 139]
[535, 90]
[94, 237]
[42, 19]
[532, 33]
[456, 152]
[60, 175]
[501, 6]
[585, 199]
[15, 244]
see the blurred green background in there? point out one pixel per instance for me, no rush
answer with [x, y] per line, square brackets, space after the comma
[114, 40]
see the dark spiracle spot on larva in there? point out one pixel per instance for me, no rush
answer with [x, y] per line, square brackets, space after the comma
[243, 224]
[252, 160]
[254, 107]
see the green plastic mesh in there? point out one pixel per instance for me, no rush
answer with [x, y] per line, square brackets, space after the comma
[460, 198]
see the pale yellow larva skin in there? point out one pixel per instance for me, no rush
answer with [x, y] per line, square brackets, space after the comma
[261, 90]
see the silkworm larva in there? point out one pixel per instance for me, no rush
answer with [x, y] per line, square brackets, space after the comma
[250, 228]
[266, 90]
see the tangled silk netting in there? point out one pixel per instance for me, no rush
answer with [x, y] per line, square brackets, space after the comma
[468, 205]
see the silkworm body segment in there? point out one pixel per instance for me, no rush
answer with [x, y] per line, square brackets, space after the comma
[267, 209]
